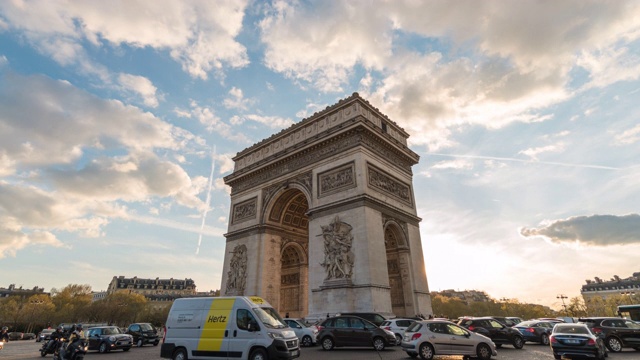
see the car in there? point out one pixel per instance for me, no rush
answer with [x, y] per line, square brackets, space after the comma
[107, 338]
[618, 333]
[346, 330]
[505, 320]
[535, 331]
[306, 334]
[397, 326]
[576, 340]
[28, 336]
[499, 333]
[45, 334]
[373, 317]
[429, 338]
[15, 335]
[143, 333]
[516, 320]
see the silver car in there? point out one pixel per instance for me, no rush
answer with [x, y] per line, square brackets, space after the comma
[429, 338]
[306, 334]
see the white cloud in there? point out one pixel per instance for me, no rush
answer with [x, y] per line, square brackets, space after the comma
[198, 34]
[237, 100]
[630, 136]
[534, 152]
[141, 86]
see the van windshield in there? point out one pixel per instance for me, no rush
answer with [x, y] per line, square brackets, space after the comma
[269, 317]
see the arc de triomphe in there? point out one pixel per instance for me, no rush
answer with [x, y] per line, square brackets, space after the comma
[323, 217]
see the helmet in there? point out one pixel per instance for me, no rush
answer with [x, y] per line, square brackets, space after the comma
[79, 327]
[60, 328]
[4, 328]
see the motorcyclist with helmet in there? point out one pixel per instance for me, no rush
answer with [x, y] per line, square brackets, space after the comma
[4, 334]
[55, 340]
[76, 334]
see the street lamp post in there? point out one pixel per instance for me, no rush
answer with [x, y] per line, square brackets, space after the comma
[562, 297]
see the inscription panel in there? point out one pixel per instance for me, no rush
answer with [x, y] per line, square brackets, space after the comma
[337, 179]
[387, 184]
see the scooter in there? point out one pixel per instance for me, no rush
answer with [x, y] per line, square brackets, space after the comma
[75, 350]
[49, 347]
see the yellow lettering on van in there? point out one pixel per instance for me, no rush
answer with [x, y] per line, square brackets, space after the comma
[256, 300]
[215, 323]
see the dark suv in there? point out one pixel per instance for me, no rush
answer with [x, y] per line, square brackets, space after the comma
[499, 333]
[375, 318]
[347, 330]
[143, 333]
[617, 332]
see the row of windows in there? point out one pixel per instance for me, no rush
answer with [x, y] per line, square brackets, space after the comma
[613, 288]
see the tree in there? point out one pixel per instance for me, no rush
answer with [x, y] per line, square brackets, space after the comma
[71, 302]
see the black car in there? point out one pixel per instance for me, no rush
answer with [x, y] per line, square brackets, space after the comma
[107, 338]
[499, 333]
[535, 331]
[373, 317]
[576, 340]
[346, 330]
[505, 320]
[45, 334]
[143, 333]
[617, 332]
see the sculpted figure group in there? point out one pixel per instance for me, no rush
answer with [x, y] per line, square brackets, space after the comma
[338, 257]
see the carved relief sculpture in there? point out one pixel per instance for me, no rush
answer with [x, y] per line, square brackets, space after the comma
[338, 257]
[245, 210]
[387, 184]
[237, 275]
[336, 180]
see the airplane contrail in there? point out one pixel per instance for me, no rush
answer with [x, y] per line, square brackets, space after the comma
[208, 200]
[525, 161]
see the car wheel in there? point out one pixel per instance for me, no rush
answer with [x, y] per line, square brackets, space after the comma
[426, 352]
[483, 351]
[180, 354]
[378, 343]
[43, 353]
[545, 339]
[518, 342]
[637, 348]
[398, 339]
[614, 344]
[556, 356]
[258, 354]
[126, 349]
[412, 355]
[327, 343]
[103, 348]
[139, 343]
[155, 343]
[306, 341]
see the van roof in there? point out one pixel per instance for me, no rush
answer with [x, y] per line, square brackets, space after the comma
[249, 300]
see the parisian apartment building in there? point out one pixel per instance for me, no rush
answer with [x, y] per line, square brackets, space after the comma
[615, 287]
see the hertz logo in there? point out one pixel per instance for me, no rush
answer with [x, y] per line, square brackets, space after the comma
[217, 319]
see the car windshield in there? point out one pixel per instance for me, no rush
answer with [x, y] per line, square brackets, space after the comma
[146, 327]
[270, 318]
[110, 331]
[570, 329]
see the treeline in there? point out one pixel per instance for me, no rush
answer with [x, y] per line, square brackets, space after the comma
[453, 308]
[73, 304]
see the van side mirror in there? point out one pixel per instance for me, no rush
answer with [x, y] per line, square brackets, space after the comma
[253, 326]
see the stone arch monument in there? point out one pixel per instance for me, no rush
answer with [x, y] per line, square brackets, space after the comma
[323, 217]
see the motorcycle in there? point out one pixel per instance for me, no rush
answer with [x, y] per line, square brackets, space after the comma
[49, 347]
[76, 350]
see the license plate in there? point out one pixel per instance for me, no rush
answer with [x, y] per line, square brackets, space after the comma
[295, 352]
[573, 341]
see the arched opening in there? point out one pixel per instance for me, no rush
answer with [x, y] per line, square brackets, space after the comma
[396, 266]
[289, 217]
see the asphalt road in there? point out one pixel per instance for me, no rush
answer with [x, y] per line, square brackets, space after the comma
[30, 350]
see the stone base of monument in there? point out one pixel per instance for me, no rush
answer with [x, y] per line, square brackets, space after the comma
[336, 283]
[341, 295]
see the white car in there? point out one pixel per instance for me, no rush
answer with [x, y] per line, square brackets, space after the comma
[397, 326]
[306, 334]
[429, 338]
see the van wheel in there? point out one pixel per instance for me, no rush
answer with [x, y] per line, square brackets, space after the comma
[327, 343]
[180, 354]
[258, 354]
[306, 340]
[378, 343]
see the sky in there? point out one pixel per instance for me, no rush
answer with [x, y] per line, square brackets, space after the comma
[119, 120]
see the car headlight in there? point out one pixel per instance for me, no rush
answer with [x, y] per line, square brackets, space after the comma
[112, 338]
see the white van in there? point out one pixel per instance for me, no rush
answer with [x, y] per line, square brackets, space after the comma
[237, 327]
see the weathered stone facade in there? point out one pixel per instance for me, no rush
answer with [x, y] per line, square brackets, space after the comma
[326, 215]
